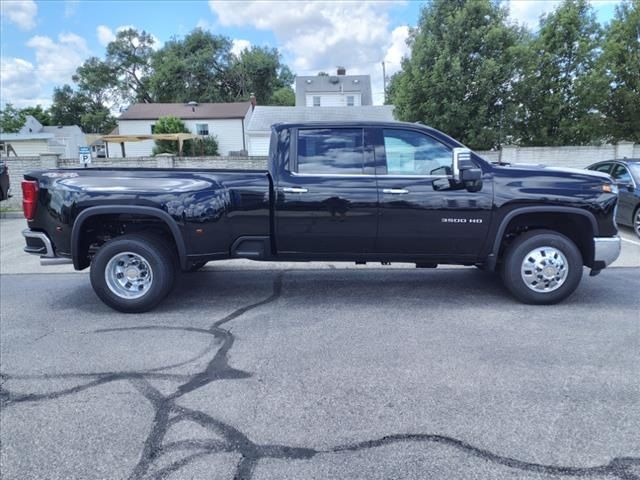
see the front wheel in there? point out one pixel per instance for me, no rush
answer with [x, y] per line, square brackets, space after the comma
[542, 267]
[133, 273]
[636, 221]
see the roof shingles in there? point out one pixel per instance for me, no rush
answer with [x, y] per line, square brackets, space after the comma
[153, 111]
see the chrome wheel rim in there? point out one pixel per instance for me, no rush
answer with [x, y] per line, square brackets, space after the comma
[636, 223]
[544, 269]
[128, 275]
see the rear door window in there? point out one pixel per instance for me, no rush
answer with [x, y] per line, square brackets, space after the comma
[330, 151]
[604, 168]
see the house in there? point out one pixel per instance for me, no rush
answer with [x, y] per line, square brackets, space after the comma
[340, 90]
[28, 145]
[34, 139]
[259, 128]
[226, 121]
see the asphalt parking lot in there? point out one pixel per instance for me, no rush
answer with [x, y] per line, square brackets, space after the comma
[288, 371]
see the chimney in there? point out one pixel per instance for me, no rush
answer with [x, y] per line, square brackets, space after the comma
[342, 71]
[252, 99]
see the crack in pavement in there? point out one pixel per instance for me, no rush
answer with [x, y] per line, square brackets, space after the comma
[231, 440]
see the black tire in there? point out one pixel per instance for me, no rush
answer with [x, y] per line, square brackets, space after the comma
[156, 255]
[196, 266]
[635, 221]
[527, 243]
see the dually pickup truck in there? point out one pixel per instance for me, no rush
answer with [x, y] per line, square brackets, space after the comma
[359, 192]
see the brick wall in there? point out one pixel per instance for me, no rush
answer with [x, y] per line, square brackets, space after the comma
[576, 157]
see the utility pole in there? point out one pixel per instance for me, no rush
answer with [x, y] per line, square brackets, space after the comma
[384, 81]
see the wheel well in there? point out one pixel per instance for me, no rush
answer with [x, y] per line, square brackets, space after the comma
[100, 228]
[577, 228]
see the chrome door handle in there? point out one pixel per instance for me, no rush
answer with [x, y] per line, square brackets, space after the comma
[395, 191]
[294, 190]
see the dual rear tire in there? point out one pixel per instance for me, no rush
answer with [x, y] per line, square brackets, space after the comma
[133, 273]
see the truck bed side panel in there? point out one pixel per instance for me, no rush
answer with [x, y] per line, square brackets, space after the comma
[210, 207]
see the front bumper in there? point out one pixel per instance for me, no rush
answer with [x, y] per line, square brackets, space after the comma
[606, 250]
[38, 243]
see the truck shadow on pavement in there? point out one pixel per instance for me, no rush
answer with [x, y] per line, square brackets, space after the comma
[225, 438]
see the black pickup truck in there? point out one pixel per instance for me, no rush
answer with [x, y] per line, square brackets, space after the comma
[359, 192]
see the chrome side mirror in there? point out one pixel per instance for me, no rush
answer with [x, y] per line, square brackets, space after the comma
[461, 161]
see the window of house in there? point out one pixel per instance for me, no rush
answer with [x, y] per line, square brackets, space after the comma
[330, 151]
[350, 100]
[2, 149]
[202, 129]
[316, 101]
[414, 153]
[153, 129]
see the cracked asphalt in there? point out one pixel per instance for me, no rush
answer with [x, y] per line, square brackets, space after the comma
[309, 373]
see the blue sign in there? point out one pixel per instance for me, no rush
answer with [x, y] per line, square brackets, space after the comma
[85, 155]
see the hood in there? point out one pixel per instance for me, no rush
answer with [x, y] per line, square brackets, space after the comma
[538, 168]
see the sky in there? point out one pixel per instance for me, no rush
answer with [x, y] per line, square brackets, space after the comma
[42, 42]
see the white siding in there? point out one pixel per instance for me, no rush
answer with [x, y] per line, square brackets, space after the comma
[259, 144]
[28, 148]
[227, 131]
[334, 99]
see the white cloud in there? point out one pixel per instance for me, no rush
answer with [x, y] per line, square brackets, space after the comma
[239, 45]
[57, 61]
[105, 35]
[322, 35]
[21, 12]
[528, 12]
[19, 84]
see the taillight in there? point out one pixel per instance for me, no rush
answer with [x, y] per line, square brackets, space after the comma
[29, 198]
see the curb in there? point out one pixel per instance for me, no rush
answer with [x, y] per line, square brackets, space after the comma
[15, 214]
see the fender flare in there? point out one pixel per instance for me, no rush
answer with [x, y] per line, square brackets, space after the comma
[131, 209]
[493, 254]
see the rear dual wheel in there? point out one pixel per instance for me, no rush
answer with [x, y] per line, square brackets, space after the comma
[133, 273]
[542, 267]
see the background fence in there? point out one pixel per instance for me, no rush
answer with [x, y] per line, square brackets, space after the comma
[575, 157]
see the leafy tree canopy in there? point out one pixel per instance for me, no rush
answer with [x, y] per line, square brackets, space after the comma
[461, 70]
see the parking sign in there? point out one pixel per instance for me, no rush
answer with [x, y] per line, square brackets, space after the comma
[85, 155]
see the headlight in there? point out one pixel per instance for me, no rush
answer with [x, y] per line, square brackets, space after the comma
[610, 188]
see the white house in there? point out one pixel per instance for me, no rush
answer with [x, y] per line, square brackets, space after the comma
[259, 128]
[34, 139]
[340, 90]
[226, 121]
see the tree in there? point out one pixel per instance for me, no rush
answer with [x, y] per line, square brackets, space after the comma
[98, 120]
[11, 119]
[257, 71]
[619, 66]
[129, 55]
[68, 106]
[194, 68]
[169, 125]
[559, 90]
[284, 97]
[463, 64]
[38, 113]
[97, 80]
